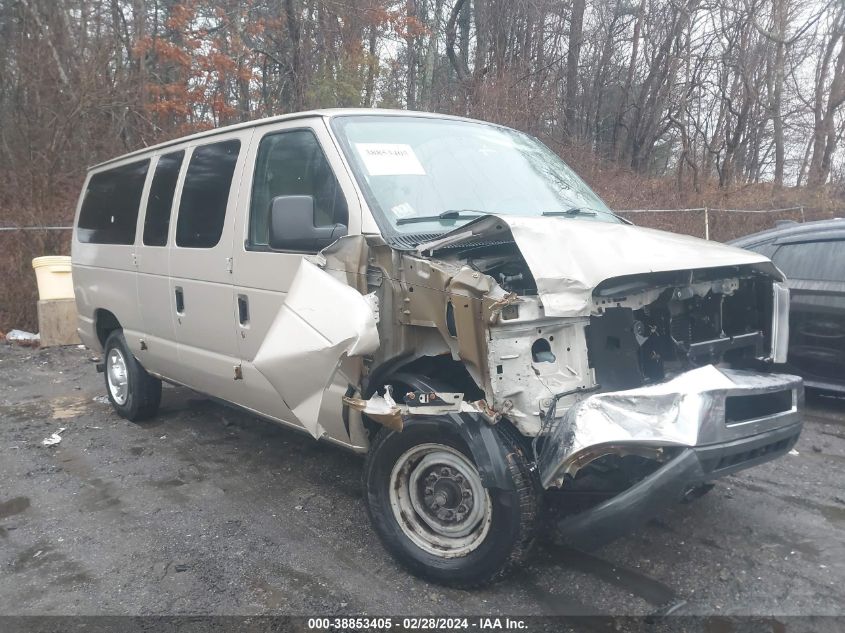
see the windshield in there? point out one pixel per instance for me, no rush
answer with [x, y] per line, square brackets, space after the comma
[426, 175]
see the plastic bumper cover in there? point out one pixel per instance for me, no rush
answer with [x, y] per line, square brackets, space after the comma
[666, 486]
[702, 425]
[701, 407]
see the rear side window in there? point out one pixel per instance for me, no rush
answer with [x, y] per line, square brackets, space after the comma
[205, 194]
[817, 261]
[293, 164]
[766, 249]
[110, 208]
[160, 200]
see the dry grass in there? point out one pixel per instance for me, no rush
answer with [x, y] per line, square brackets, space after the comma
[624, 189]
[19, 294]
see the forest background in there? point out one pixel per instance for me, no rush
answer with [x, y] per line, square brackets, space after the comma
[658, 104]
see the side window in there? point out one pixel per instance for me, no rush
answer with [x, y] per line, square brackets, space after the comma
[160, 200]
[768, 249]
[293, 164]
[205, 194]
[818, 261]
[110, 208]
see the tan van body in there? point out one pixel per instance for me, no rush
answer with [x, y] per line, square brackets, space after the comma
[310, 339]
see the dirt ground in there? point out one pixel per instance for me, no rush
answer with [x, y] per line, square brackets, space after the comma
[205, 510]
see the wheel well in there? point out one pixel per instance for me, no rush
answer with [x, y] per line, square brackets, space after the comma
[442, 372]
[106, 323]
[439, 373]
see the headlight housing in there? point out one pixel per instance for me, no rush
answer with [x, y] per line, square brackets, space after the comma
[780, 322]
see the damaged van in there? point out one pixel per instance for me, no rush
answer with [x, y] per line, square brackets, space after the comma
[449, 298]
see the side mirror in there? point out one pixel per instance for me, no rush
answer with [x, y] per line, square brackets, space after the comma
[292, 225]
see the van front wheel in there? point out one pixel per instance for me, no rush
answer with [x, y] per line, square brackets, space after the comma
[133, 393]
[427, 503]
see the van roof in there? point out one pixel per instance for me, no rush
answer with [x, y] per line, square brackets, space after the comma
[326, 113]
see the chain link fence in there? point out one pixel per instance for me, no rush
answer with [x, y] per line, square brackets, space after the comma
[721, 224]
[709, 222]
[19, 244]
[35, 228]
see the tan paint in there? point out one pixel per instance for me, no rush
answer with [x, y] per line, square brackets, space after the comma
[321, 320]
[312, 342]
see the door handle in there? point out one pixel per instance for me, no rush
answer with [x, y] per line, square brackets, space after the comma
[180, 300]
[243, 309]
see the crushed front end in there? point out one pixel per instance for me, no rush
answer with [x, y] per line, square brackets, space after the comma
[687, 431]
[636, 363]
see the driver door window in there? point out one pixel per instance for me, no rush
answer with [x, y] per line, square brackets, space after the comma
[292, 164]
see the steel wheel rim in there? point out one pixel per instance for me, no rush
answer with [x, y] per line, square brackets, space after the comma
[438, 500]
[117, 376]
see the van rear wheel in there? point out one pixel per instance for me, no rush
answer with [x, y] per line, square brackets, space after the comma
[133, 393]
[427, 503]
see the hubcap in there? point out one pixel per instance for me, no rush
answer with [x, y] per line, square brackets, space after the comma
[438, 500]
[117, 376]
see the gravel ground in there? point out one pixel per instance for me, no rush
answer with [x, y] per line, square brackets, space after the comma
[206, 510]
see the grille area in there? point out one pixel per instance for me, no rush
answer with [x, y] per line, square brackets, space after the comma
[735, 459]
[744, 408]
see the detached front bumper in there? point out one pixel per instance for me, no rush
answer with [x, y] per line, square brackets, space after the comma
[617, 516]
[703, 424]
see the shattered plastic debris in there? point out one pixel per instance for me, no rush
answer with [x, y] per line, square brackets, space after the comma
[54, 439]
[382, 409]
[100, 399]
[794, 452]
[23, 338]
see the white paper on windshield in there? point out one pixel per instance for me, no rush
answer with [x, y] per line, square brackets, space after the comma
[403, 210]
[389, 159]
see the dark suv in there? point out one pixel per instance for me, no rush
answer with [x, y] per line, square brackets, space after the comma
[812, 256]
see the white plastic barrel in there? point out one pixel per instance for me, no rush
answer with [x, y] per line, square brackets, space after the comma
[54, 277]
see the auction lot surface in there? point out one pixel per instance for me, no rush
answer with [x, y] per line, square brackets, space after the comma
[205, 510]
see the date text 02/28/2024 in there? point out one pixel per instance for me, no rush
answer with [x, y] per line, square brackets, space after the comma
[418, 623]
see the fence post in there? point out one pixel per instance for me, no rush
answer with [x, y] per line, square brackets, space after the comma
[802, 214]
[706, 223]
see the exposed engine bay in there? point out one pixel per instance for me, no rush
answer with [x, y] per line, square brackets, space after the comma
[539, 321]
[642, 329]
[505, 264]
[564, 322]
[647, 328]
[689, 323]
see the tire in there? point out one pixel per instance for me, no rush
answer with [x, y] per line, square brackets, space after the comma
[505, 520]
[133, 393]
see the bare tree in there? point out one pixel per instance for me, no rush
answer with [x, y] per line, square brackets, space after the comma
[829, 98]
